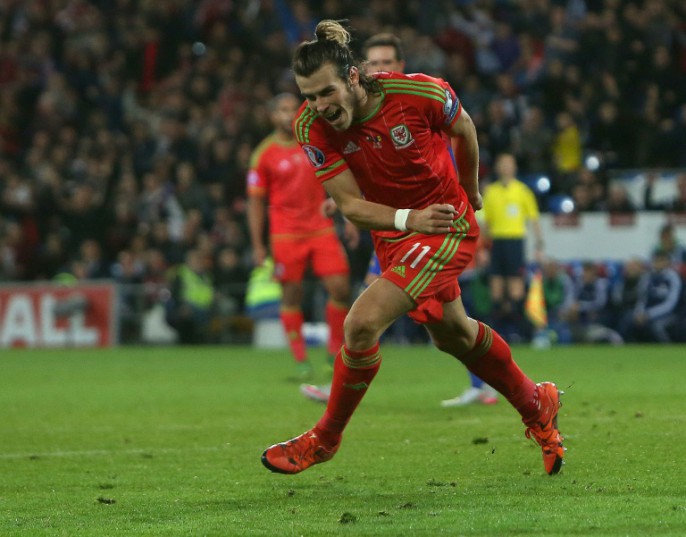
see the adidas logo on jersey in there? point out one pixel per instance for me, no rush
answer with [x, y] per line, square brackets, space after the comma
[400, 270]
[350, 148]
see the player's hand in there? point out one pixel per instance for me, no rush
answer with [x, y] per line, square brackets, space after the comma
[351, 234]
[329, 207]
[435, 219]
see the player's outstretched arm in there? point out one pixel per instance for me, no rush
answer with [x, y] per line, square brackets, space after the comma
[466, 149]
[256, 222]
[365, 214]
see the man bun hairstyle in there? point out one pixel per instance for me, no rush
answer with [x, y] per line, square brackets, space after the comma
[332, 31]
[331, 44]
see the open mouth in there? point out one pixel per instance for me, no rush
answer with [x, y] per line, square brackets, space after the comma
[333, 116]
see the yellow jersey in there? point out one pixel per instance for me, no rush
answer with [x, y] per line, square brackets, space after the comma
[567, 150]
[507, 209]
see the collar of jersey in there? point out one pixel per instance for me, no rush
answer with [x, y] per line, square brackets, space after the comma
[289, 143]
[373, 112]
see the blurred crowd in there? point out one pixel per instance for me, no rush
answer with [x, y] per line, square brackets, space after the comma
[632, 300]
[126, 126]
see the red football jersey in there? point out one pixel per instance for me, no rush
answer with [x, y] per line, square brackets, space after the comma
[280, 173]
[397, 154]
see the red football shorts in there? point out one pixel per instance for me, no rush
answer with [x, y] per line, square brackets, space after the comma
[323, 252]
[426, 267]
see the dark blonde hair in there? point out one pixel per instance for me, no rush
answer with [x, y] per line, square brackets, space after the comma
[331, 44]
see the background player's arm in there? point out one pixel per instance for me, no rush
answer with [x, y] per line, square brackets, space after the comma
[365, 214]
[466, 149]
[256, 219]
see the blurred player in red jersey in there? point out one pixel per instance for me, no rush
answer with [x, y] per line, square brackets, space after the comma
[384, 52]
[381, 136]
[300, 235]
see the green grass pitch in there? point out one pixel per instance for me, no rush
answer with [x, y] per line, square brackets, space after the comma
[167, 442]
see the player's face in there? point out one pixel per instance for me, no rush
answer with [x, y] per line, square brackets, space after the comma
[330, 96]
[506, 166]
[284, 113]
[383, 58]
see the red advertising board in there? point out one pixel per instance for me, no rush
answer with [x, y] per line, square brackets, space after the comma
[48, 315]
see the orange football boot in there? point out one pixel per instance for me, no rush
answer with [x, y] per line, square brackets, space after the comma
[297, 454]
[543, 428]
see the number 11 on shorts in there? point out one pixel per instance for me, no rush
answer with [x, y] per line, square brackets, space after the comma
[425, 250]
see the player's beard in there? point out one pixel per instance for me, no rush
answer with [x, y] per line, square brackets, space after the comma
[347, 110]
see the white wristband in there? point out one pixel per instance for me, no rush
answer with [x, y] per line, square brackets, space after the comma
[401, 219]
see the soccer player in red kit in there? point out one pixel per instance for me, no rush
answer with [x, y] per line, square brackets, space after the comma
[384, 52]
[300, 235]
[376, 145]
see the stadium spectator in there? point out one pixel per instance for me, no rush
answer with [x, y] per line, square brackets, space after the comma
[659, 308]
[618, 201]
[588, 314]
[121, 217]
[567, 151]
[670, 245]
[558, 293]
[81, 212]
[532, 142]
[158, 204]
[189, 193]
[190, 305]
[498, 132]
[475, 96]
[551, 88]
[425, 55]
[231, 278]
[74, 271]
[91, 254]
[505, 45]
[561, 40]
[611, 135]
[12, 266]
[584, 199]
[155, 277]
[51, 256]
[624, 292]
[596, 181]
[128, 272]
[18, 198]
[675, 204]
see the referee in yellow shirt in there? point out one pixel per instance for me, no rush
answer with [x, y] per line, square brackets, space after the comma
[509, 207]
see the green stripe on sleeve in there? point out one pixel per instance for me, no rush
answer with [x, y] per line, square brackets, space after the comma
[430, 87]
[420, 93]
[326, 170]
[302, 126]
